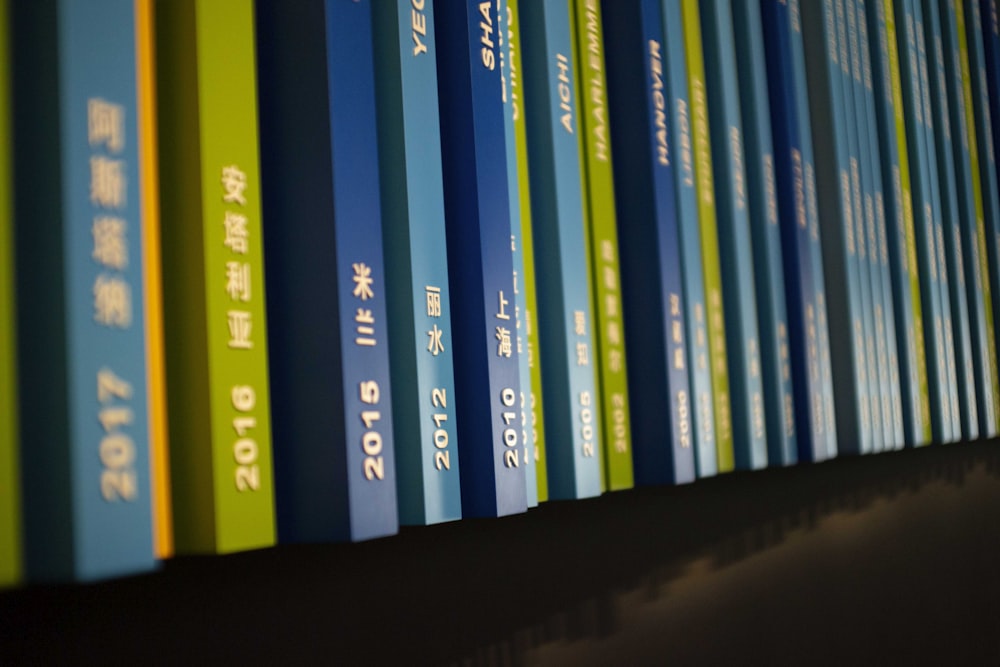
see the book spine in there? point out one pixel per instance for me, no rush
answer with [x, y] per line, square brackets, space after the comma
[651, 273]
[924, 222]
[480, 263]
[892, 408]
[692, 265]
[973, 231]
[163, 530]
[572, 421]
[973, 58]
[216, 326]
[732, 217]
[704, 186]
[512, 108]
[833, 188]
[823, 355]
[532, 348]
[604, 253]
[862, 201]
[417, 299]
[963, 382]
[801, 361]
[896, 206]
[84, 437]
[11, 561]
[755, 108]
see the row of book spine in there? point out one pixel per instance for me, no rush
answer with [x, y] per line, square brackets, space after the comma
[514, 252]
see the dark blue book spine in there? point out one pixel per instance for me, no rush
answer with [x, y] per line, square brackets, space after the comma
[755, 108]
[833, 187]
[679, 127]
[416, 264]
[648, 234]
[480, 263]
[823, 354]
[83, 415]
[332, 407]
[791, 200]
[951, 261]
[565, 324]
[739, 299]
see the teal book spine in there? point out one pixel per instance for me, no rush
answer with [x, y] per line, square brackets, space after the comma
[950, 257]
[833, 189]
[864, 210]
[823, 357]
[762, 202]
[746, 389]
[924, 225]
[418, 300]
[511, 111]
[84, 439]
[679, 127]
[970, 205]
[480, 262]
[565, 321]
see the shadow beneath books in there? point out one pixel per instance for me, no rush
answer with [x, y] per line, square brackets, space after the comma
[889, 557]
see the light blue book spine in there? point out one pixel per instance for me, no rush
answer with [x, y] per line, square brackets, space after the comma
[923, 221]
[84, 438]
[480, 263]
[892, 409]
[950, 389]
[779, 401]
[987, 153]
[976, 278]
[564, 313]
[803, 350]
[823, 356]
[679, 127]
[898, 279]
[833, 187]
[951, 260]
[416, 264]
[511, 108]
[746, 385]
[862, 209]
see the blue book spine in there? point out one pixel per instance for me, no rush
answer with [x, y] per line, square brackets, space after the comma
[84, 438]
[755, 107]
[977, 271]
[416, 264]
[648, 234]
[512, 108]
[480, 262]
[923, 221]
[565, 325]
[803, 358]
[892, 409]
[901, 316]
[862, 201]
[833, 188]
[988, 143]
[332, 406]
[812, 215]
[739, 297]
[679, 127]
[951, 260]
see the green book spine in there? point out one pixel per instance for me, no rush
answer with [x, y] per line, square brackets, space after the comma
[604, 258]
[216, 330]
[10, 500]
[709, 235]
[535, 415]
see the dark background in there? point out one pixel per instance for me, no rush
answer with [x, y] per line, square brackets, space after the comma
[886, 559]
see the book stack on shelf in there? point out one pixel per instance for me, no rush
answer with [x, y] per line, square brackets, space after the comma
[307, 272]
